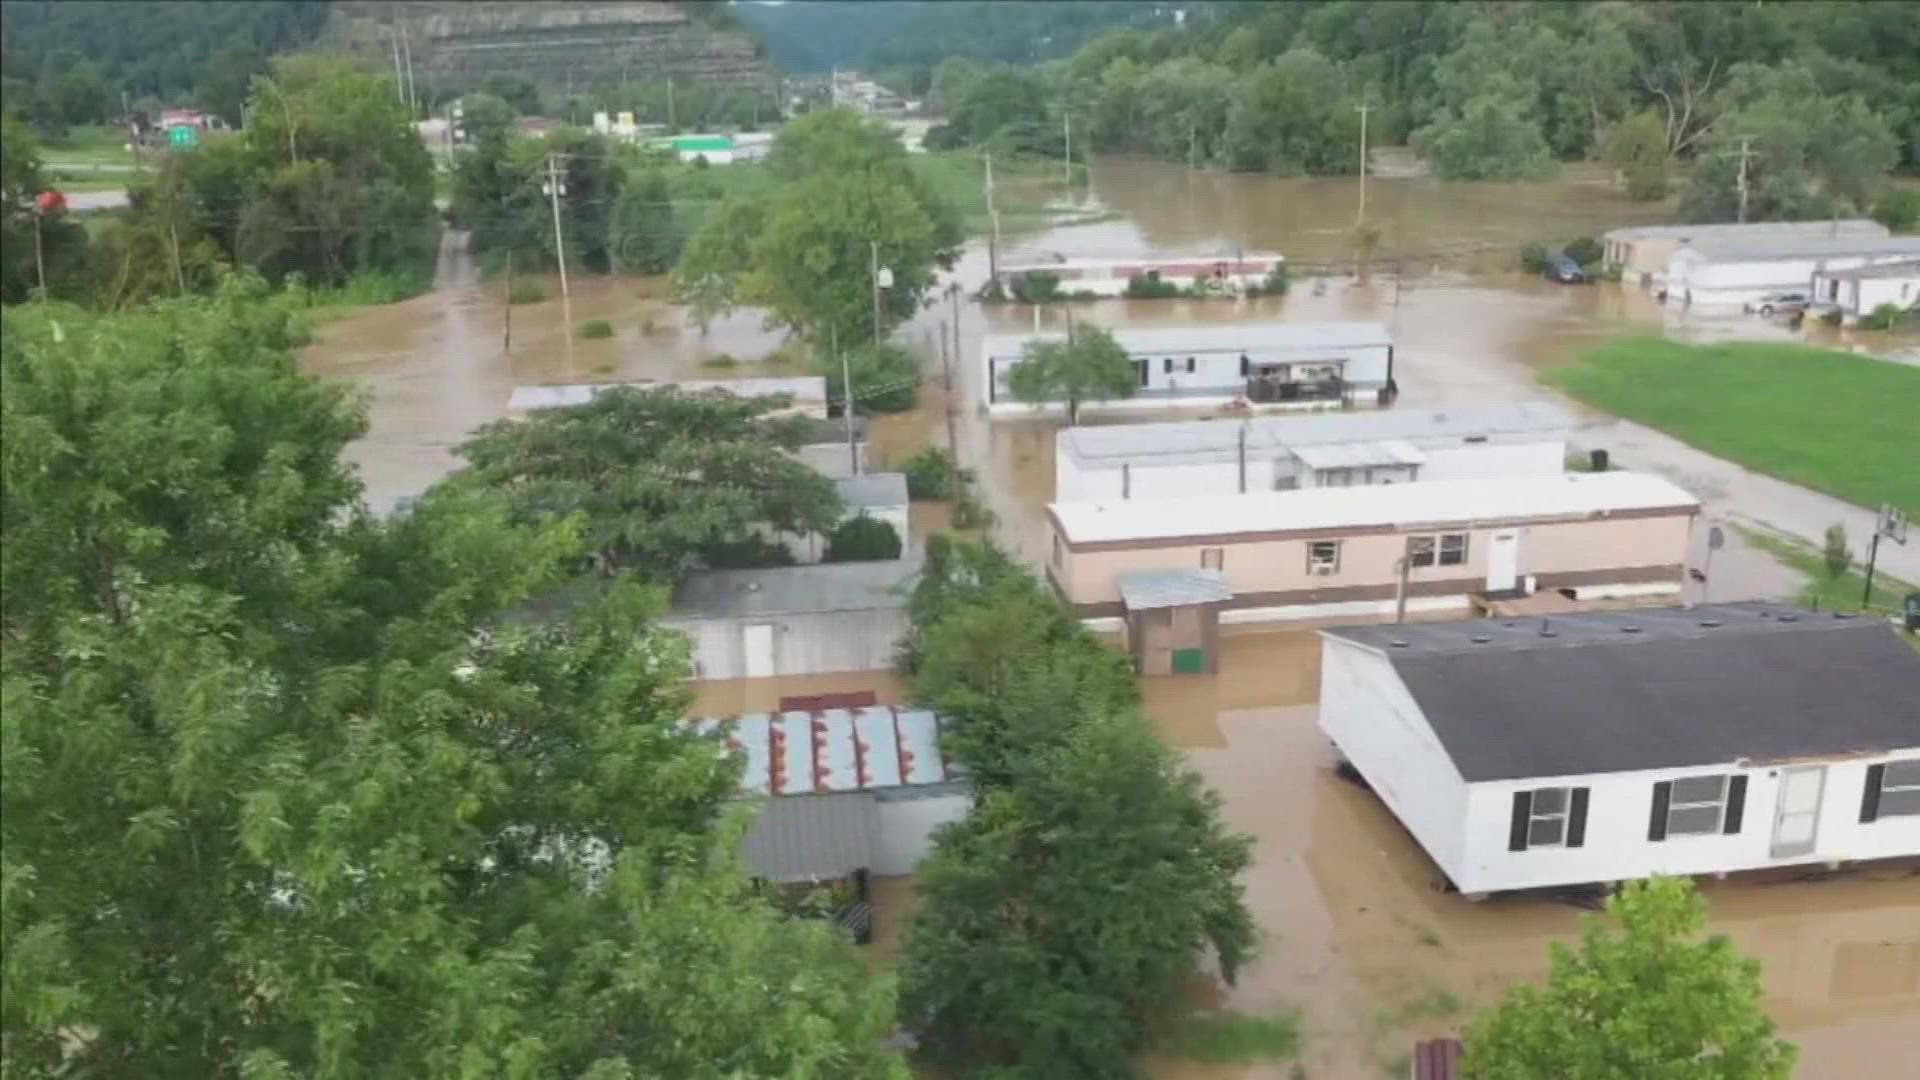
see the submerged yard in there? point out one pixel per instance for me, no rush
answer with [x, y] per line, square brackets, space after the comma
[1838, 422]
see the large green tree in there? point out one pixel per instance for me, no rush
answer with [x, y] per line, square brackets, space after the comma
[662, 478]
[1090, 366]
[280, 796]
[1646, 996]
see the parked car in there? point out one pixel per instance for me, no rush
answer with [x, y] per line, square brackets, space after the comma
[1783, 303]
[1564, 270]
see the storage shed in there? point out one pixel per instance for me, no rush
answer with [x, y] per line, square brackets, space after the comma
[794, 620]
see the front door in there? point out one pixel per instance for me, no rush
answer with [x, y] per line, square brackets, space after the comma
[757, 642]
[1798, 818]
[1503, 561]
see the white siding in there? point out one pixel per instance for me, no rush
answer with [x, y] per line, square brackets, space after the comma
[1369, 715]
[904, 823]
[1619, 809]
[805, 644]
[1737, 281]
[1545, 457]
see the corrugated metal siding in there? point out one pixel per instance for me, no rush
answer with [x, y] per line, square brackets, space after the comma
[810, 644]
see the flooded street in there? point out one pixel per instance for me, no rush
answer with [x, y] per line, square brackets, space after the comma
[1357, 935]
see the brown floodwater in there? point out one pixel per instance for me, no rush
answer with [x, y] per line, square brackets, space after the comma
[1358, 937]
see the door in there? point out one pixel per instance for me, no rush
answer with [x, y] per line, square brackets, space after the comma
[1156, 645]
[1797, 820]
[1503, 561]
[757, 644]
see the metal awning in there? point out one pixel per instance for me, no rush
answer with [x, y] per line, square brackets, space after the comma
[1149, 589]
[810, 837]
[1359, 455]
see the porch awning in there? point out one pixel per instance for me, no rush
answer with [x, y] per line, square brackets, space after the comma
[1359, 455]
[1146, 590]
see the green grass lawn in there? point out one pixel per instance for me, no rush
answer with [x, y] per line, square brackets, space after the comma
[1834, 421]
[89, 146]
[1821, 589]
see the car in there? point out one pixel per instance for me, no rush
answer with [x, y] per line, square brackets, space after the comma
[1564, 270]
[1783, 303]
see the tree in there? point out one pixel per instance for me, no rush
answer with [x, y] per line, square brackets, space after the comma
[1835, 553]
[283, 796]
[661, 477]
[886, 377]
[1293, 116]
[1490, 138]
[220, 85]
[862, 539]
[520, 95]
[1647, 997]
[1092, 366]
[1637, 149]
[646, 237]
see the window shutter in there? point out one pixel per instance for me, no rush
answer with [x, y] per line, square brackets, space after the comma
[1167, 365]
[1522, 811]
[1662, 798]
[1736, 805]
[1246, 365]
[1577, 819]
[1870, 798]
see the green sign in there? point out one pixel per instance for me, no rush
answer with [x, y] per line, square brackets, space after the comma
[181, 136]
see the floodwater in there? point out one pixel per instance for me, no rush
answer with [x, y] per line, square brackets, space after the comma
[1358, 937]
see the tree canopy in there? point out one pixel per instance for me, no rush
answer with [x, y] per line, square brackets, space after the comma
[1643, 994]
[280, 793]
[1091, 366]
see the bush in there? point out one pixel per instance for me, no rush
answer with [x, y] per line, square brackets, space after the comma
[596, 328]
[1275, 283]
[863, 539]
[1884, 317]
[1835, 553]
[932, 474]
[1586, 251]
[1036, 287]
[1142, 287]
[746, 553]
[969, 512]
[1898, 209]
[526, 291]
[1534, 256]
[886, 379]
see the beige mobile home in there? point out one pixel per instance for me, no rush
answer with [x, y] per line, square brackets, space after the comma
[1642, 252]
[1336, 552]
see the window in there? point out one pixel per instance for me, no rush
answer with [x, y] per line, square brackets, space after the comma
[1323, 556]
[1167, 362]
[1419, 551]
[1212, 558]
[1893, 790]
[1446, 549]
[1548, 817]
[1453, 549]
[1697, 806]
[1189, 365]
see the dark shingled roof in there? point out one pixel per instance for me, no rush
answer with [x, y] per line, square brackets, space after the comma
[1648, 689]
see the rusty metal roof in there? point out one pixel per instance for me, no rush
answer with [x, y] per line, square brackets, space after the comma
[834, 750]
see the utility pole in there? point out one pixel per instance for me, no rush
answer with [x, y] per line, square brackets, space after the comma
[506, 338]
[1363, 107]
[1067, 122]
[1740, 181]
[556, 186]
[873, 273]
[399, 77]
[406, 49]
[671, 127]
[1193, 141]
[39, 255]
[846, 398]
[993, 235]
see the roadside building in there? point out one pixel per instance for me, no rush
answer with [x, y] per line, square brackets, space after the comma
[1606, 746]
[1338, 552]
[793, 620]
[808, 393]
[1734, 273]
[1227, 275]
[1280, 453]
[1291, 366]
[881, 496]
[713, 149]
[1642, 252]
[1861, 290]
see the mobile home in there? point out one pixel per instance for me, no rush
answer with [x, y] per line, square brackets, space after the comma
[793, 620]
[1861, 290]
[1224, 275]
[1606, 746]
[1733, 273]
[1642, 252]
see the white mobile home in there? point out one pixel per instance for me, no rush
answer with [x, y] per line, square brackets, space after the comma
[1279, 453]
[841, 790]
[1226, 275]
[1859, 291]
[793, 620]
[808, 393]
[1641, 252]
[1734, 273]
[1290, 366]
[1606, 746]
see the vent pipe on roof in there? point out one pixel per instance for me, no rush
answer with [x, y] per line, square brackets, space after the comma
[1709, 623]
[1481, 639]
[1629, 629]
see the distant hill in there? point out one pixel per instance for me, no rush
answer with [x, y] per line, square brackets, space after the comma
[816, 35]
[149, 46]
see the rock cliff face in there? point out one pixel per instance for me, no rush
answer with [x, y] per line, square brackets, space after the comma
[562, 44]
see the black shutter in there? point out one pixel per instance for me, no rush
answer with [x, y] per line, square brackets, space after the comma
[1662, 798]
[1167, 363]
[1870, 798]
[1522, 815]
[1577, 819]
[1246, 365]
[1736, 805]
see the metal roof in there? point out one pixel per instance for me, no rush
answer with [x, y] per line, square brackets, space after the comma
[1026, 264]
[1356, 455]
[873, 491]
[1621, 691]
[1902, 268]
[794, 590]
[1759, 230]
[1427, 502]
[1809, 248]
[1218, 337]
[812, 838]
[803, 388]
[1197, 441]
[1146, 590]
[834, 750]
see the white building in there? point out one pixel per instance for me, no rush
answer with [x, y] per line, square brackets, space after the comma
[808, 393]
[1859, 291]
[1642, 251]
[841, 790]
[1733, 272]
[793, 620]
[1603, 747]
[1276, 453]
[1225, 274]
[1292, 366]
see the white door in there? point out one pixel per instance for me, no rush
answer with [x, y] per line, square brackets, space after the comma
[1798, 817]
[1503, 560]
[757, 643]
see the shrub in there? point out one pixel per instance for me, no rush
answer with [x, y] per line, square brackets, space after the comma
[969, 512]
[932, 474]
[1142, 287]
[594, 329]
[1586, 251]
[863, 539]
[724, 360]
[526, 291]
[886, 378]
[1898, 209]
[1884, 317]
[1036, 287]
[1534, 256]
[1835, 553]
[1275, 283]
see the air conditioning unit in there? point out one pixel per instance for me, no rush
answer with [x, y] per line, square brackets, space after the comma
[1323, 571]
